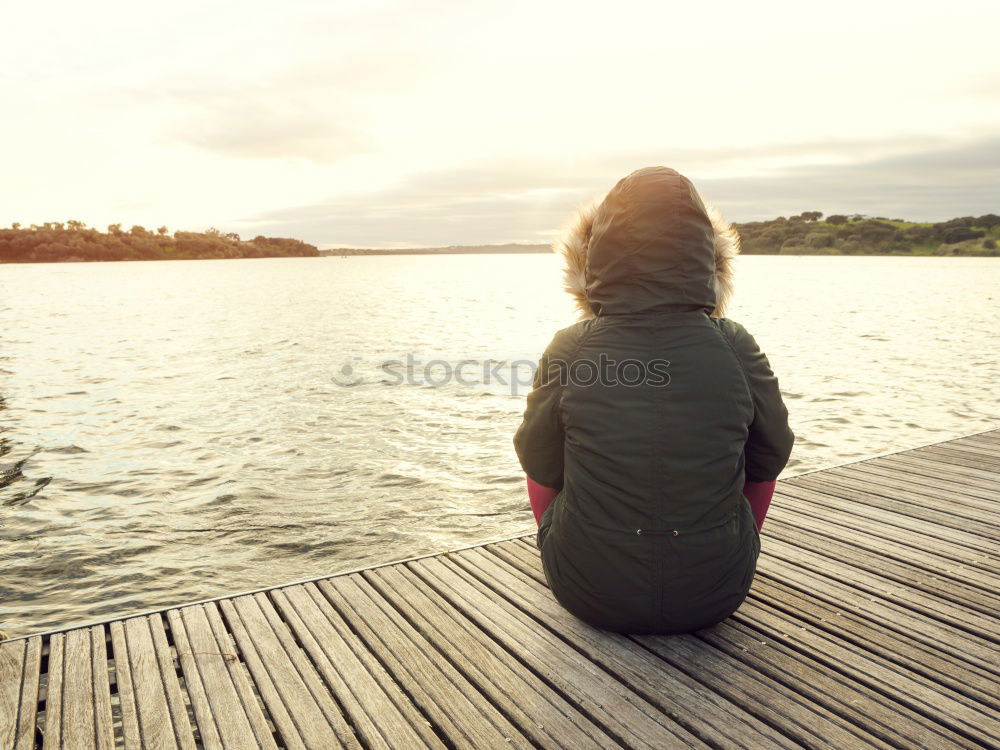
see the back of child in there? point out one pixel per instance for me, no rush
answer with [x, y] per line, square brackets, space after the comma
[654, 423]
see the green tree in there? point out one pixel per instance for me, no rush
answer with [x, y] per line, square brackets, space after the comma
[819, 239]
[954, 235]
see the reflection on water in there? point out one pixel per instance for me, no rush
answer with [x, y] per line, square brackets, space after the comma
[15, 488]
[171, 431]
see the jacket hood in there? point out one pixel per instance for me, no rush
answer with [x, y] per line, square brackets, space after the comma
[651, 245]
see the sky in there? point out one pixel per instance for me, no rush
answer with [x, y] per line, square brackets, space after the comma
[391, 123]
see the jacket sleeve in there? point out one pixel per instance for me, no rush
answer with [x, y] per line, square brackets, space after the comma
[770, 441]
[539, 440]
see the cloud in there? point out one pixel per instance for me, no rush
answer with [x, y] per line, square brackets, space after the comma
[311, 108]
[984, 86]
[256, 125]
[931, 185]
[528, 200]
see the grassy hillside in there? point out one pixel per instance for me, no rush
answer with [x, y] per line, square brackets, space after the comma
[73, 241]
[808, 233]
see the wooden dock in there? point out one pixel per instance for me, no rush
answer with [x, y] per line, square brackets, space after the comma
[873, 622]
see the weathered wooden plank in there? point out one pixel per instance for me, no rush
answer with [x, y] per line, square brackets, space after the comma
[78, 700]
[382, 714]
[900, 504]
[155, 721]
[152, 704]
[12, 662]
[54, 694]
[819, 685]
[70, 704]
[973, 441]
[20, 667]
[126, 689]
[922, 463]
[941, 554]
[984, 440]
[883, 586]
[943, 446]
[610, 704]
[85, 697]
[944, 707]
[958, 458]
[981, 442]
[933, 490]
[541, 713]
[453, 703]
[921, 471]
[240, 680]
[196, 689]
[304, 712]
[103, 720]
[958, 503]
[935, 556]
[853, 501]
[165, 662]
[224, 705]
[904, 567]
[969, 679]
[874, 717]
[883, 612]
[991, 434]
[927, 479]
[271, 693]
[985, 457]
[27, 715]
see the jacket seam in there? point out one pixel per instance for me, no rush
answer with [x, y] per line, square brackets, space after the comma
[574, 353]
[739, 360]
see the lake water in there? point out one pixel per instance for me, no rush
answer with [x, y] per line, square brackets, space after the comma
[171, 431]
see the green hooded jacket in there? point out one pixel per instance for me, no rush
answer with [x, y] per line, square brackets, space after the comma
[649, 416]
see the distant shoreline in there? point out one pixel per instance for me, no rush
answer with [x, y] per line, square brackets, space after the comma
[805, 234]
[507, 249]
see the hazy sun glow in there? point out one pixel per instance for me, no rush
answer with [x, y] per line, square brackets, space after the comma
[408, 123]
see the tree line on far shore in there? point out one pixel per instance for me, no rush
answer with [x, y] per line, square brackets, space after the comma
[809, 234]
[74, 241]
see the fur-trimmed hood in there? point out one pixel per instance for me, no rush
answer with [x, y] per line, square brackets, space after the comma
[651, 243]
